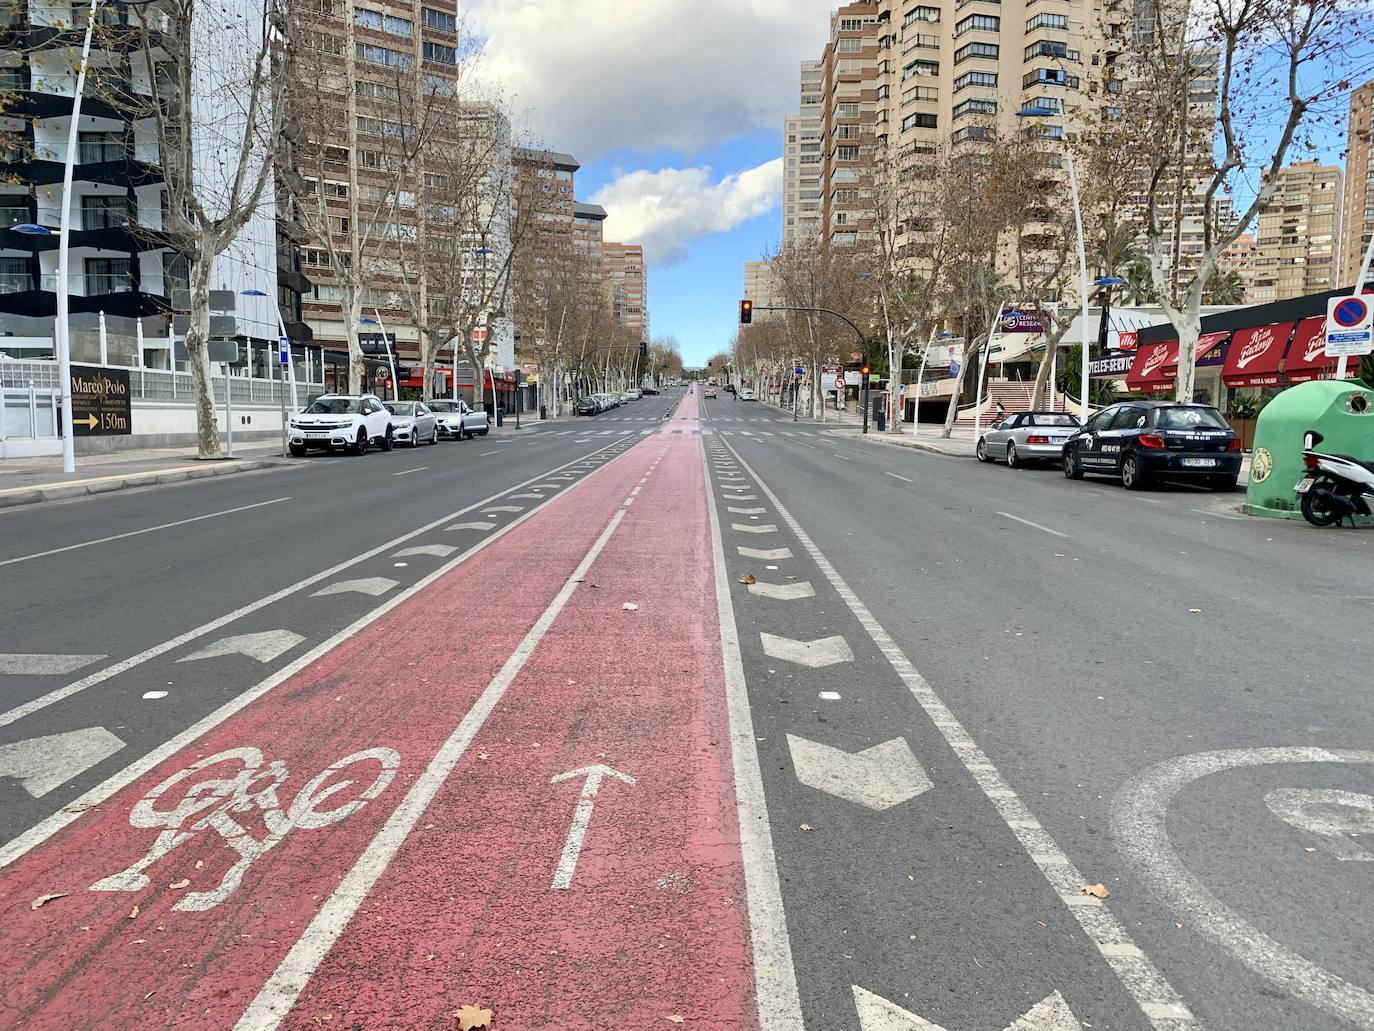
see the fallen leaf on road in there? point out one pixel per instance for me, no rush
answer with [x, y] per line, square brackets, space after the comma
[630, 606]
[43, 900]
[77, 807]
[807, 827]
[1099, 890]
[1194, 610]
[748, 580]
[483, 755]
[1309, 850]
[139, 941]
[467, 1017]
[133, 913]
[200, 864]
[183, 883]
[675, 1018]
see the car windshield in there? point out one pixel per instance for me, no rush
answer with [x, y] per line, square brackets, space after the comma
[1189, 418]
[442, 406]
[335, 406]
[401, 407]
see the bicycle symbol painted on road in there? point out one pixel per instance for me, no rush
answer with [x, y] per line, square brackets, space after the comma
[216, 804]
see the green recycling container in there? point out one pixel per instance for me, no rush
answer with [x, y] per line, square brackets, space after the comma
[1342, 411]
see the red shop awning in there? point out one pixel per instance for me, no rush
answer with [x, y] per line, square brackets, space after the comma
[1152, 367]
[1307, 358]
[1253, 359]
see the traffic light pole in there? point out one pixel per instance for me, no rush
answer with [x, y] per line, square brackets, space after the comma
[863, 342]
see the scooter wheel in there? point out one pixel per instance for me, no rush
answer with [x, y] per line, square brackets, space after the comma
[1318, 508]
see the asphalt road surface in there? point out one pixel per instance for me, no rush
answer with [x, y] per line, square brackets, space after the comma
[682, 714]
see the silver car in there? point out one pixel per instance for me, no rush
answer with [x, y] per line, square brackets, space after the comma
[1022, 437]
[412, 423]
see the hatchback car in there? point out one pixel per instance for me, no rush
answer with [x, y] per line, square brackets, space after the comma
[1144, 441]
[747, 395]
[456, 419]
[412, 423]
[710, 391]
[1023, 437]
[588, 405]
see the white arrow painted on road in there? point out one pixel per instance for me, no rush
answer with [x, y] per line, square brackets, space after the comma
[877, 1014]
[744, 511]
[748, 528]
[43, 763]
[264, 647]
[536, 497]
[567, 864]
[436, 550]
[878, 777]
[742, 497]
[765, 553]
[470, 526]
[44, 665]
[783, 592]
[823, 651]
[503, 508]
[374, 586]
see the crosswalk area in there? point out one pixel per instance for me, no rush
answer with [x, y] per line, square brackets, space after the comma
[705, 430]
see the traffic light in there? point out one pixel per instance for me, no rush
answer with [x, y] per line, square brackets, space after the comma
[865, 370]
[746, 312]
[643, 349]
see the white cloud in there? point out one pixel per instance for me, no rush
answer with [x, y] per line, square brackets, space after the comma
[667, 209]
[681, 75]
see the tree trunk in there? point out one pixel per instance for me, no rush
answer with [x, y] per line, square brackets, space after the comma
[969, 371]
[198, 359]
[894, 378]
[1188, 332]
[1042, 377]
[355, 349]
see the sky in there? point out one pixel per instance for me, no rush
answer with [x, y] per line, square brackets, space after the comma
[675, 109]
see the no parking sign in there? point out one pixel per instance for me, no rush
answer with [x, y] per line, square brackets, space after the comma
[1348, 324]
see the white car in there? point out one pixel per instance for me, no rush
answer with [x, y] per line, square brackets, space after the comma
[457, 420]
[747, 395]
[412, 423]
[351, 421]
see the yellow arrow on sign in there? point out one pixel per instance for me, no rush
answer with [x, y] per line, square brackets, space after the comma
[90, 422]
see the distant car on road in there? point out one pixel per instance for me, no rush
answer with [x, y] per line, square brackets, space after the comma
[412, 423]
[747, 395]
[456, 419]
[710, 391]
[1145, 441]
[1022, 437]
[589, 405]
[351, 421]
[649, 391]
[729, 388]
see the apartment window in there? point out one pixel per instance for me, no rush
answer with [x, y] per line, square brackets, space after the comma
[849, 45]
[439, 20]
[920, 120]
[378, 91]
[14, 275]
[921, 14]
[977, 23]
[851, 24]
[975, 106]
[846, 132]
[314, 257]
[338, 224]
[176, 272]
[368, 19]
[440, 53]
[847, 109]
[381, 55]
[971, 133]
[921, 68]
[105, 211]
[922, 41]
[847, 153]
[968, 50]
[397, 26]
[921, 93]
[1047, 49]
[107, 276]
[1049, 77]
[324, 43]
[1049, 103]
[1047, 21]
[975, 79]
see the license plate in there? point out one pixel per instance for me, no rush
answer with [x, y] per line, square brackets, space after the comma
[315, 435]
[1058, 440]
[1199, 463]
[1303, 486]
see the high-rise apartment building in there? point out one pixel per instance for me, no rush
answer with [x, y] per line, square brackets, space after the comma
[1357, 212]
[628, 280]
[761, 286]
[587, 230]
[1295, 243]
[802, 159]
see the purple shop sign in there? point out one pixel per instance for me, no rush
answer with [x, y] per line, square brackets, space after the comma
[1022, 322]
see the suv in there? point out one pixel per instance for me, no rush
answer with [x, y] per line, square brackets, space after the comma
[1140, 441]
[351, 421]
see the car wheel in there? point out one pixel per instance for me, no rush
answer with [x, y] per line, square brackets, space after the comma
[982, 451]
[1072, 470]
[1133, 477]
[1012, 460]
[387, 442]
[298, 450]
[482, 433]
[434, 437]
[360, 445]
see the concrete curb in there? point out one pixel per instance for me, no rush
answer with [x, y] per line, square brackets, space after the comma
[18, 496]
[920, 445]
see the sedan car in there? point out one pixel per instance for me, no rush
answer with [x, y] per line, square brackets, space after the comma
[589, 405]
[412, 423]
[352, 421]
[747, 395]
[456, 419]
[1023, 437]
[710, 391]
[1144, 441]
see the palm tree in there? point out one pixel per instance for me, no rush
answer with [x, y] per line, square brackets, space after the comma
[1224, 287]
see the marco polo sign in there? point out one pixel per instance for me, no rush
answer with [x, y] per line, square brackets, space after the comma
[100, 402]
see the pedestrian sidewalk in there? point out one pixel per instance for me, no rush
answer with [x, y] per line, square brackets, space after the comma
[26, 481]
[959, 444]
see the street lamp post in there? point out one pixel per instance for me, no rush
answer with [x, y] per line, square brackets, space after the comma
[390, 357]
[1045, 112]
[283, 360]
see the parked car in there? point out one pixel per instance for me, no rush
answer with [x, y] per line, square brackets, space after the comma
[351, 421]
[710, 391]
[1143, 441]
[729, 388]
[588, 405]
[649, 392]
[412, 423]
[746, 395]
[1023, 437]
[456, 419]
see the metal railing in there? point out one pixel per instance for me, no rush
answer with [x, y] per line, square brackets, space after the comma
[161, 384]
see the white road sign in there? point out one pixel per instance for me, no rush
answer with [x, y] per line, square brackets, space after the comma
[1348, 324]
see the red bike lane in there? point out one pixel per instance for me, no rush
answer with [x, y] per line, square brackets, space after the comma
[615, 736]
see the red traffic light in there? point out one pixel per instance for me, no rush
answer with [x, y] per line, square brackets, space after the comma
[865, 370]
[746, 312]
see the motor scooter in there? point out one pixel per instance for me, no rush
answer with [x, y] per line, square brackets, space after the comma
[1334, 487]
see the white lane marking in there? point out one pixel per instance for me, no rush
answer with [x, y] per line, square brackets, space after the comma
[582, 818]
[373, 586]
[153, 695]
[19, 712]
[1139, 976]
[817, 654]
[135, 533]
[1139, 812]
[436, 550]
[838, 455]
[503, 508]
[479, 525]
[764, 553]
[43, 665]
[800, 443]
[896, 477]
[829, 696]
[878, 1014]
[1027, 522]
[536, 496]
[877, 778]
[783, 592]
[264, 646]
[747, 528]
[407, 472]
[42, 764]
[775, 978]
[280, 991]
[745, 511]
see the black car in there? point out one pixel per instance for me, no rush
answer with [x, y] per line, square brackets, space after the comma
[1143, 441]
[587, 406]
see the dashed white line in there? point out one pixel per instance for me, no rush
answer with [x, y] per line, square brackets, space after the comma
[407, 472]
[896, 477]
[1046, 529]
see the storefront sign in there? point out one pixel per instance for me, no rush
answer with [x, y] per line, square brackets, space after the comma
[1023, 322]
[1111, 365]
